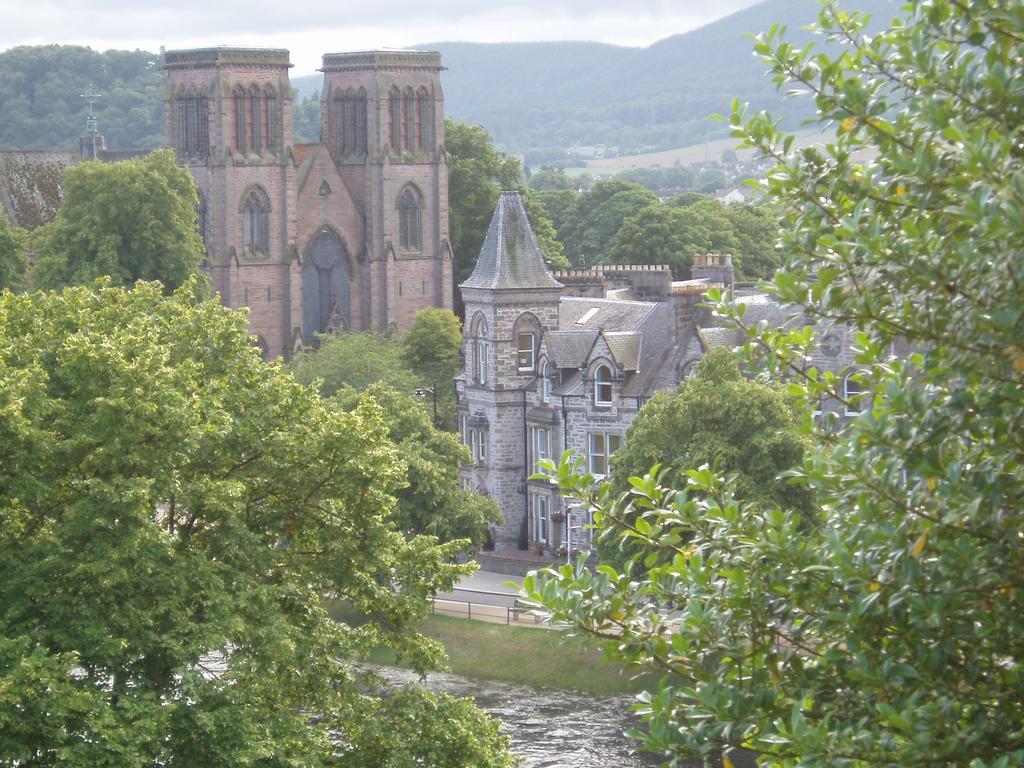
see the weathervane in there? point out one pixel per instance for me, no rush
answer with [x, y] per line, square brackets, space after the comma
[90, 96]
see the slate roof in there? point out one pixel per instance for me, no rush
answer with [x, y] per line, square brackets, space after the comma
[718, 337]
[610, 315]
[510, 257]
[569, 349]
[625, 348]
[32, 184]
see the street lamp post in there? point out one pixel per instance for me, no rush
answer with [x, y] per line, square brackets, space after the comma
[432, 389]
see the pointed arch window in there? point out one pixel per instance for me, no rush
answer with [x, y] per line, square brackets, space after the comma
[255, 118]
[349, 122]
[545, 382]
[410, 220]
[193, 117]
[270, 132]
[424, 120]
[238, 115]
[395, 118]
[256, 222]
[480, 351]
[409, 121]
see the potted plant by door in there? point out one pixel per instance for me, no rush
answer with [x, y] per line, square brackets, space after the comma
[537, 547]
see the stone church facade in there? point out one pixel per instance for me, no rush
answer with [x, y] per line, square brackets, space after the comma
[564, 361]
[349, 233]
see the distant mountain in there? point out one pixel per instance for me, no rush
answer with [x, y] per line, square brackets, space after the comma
[532, 95]
[528, 95]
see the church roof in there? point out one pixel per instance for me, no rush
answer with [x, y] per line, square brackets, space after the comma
[510, 257]
[32, 184]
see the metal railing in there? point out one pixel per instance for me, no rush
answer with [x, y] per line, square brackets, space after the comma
[513, 614]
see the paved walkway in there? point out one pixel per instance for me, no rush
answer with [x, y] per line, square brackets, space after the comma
[486, 588]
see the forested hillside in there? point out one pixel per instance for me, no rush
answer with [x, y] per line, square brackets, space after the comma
[41, 104]
[533, 96]
[529, 96]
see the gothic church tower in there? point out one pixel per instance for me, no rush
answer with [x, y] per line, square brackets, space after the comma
[347, 233]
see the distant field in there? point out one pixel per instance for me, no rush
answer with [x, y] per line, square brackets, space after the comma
[698, 153]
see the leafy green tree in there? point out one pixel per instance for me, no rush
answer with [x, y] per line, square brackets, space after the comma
[134, 220]
[660, 234]
[172, 513]
[739, 426]
[559, 204]
[13, 262]
[430, 348]
[887, 627]
[432, 502]
[356, 360]
[597, 217]
[551, 178]
[756, 231]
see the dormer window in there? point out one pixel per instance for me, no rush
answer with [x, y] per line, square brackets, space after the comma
[527, 351]
[603, 386]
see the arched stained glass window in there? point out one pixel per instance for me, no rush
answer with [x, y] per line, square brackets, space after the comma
[424, 120]
[395, 118]
[256, 118]
[410, 220]
[238, 113]
[193, 118]
[409, 121]
[256, 222]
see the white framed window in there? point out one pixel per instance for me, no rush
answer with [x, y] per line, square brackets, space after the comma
[853, 393]
[541, 446]
[526, 351]
[545, 382]
[479, 350]
[482, 353]
[480, 443]
[603, 386]
[541, 518]
[600, 448]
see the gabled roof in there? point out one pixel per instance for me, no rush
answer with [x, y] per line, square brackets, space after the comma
[510, 257]
[625, 348]
[570, 349]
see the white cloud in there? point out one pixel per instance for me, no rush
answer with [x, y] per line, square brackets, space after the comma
[312, 28]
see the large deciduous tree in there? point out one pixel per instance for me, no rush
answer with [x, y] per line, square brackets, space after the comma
[887, 627]
[133, 220]
[740, 426]
[431, 500]
[13, 263]
[172, 513]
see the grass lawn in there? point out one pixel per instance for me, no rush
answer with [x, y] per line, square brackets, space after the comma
[537, 657]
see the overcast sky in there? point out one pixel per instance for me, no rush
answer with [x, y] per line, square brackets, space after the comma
[313, 27]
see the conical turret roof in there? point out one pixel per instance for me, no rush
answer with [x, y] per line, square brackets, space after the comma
[510, 257]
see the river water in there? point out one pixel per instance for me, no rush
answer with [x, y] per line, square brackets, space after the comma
[549, 728]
